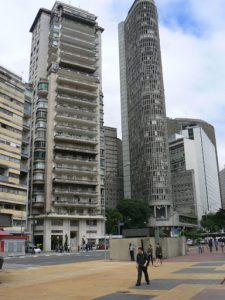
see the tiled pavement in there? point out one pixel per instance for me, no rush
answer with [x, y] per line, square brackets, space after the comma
[194, 277]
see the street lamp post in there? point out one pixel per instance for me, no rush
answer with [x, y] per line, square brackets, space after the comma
[105, 237]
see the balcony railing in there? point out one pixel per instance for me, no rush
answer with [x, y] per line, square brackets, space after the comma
[80, 101]
[66, 168]
[73, 180]
[77, 192]
[71, 137]
[75, 149]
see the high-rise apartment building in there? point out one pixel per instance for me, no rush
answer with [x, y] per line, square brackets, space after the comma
[144, 127]
[222, 185]
[67, 170]
[113, 168]
[15, 115]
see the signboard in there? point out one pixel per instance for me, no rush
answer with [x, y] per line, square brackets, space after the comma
[5, 220]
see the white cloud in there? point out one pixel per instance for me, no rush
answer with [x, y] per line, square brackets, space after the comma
[193, 64]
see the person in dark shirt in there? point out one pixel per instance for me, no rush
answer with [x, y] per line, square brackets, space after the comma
[142, 265]
[158, 255]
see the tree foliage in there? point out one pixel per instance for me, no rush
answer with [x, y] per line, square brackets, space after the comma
[214, 222]
[135, 213]
[113, 217]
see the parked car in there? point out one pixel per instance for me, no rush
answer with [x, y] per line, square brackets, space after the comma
[190, 242]
[1, 261]
[37, 250]
[31, 248]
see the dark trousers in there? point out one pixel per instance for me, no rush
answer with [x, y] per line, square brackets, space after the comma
[145, 271]
[150, 259]
[1, 262]
[132, 255]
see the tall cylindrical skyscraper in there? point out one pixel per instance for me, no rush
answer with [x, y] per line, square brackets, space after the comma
[144, 128]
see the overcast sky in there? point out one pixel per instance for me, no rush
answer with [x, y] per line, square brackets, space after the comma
[192, 34]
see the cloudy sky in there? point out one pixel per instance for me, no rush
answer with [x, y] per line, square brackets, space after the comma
[192, 36]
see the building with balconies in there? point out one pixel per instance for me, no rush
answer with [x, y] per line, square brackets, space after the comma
[15, 121]
[67, 185]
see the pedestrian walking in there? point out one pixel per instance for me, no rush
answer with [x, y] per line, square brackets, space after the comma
[158, 255]
[131, 250]
[150, 253]
[222, 245]
[210, 245]
[200, 248]
[216, 244]
[142, 266]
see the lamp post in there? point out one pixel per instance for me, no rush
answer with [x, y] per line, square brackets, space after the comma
[105, 237]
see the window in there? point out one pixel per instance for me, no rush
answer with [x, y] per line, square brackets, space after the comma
[57, 222]
[43, 86]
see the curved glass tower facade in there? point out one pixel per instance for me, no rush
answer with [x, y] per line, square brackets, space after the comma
[144, 128]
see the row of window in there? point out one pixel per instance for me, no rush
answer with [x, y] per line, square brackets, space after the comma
[3, 141]
[59, 222]
[10, 99]
[10, 128]
[11, 114]
[11, 190]
[8, 158]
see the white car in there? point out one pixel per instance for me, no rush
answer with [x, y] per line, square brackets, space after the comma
[189, 242]
[37, 250]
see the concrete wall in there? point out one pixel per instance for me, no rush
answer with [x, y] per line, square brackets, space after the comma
[171, 247]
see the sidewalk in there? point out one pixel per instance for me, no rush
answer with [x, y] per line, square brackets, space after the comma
[195, 277]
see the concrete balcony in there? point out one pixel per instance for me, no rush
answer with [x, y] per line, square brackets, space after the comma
[38, 203]
[15, 213]
[77, 83]
[73, 75]
[24, 154]
[75, 118]
[90, 114]
[76, 192]
[78, 32]
[73, 203]
[74, 138]
[75, 149]
[72, 91]
[75, 160]
[69, 169]
[78, 59]
[76, 26]
[76, 49]
[69, 39]
[78, 101]
[63, 179]
[70, 128]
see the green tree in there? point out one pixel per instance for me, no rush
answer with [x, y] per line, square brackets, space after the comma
[214, 222]
[136, 213]
[113, 217]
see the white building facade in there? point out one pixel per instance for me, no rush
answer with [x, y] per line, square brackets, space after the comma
[200, 156]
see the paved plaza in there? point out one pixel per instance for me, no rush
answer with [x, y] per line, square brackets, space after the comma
[195, 276]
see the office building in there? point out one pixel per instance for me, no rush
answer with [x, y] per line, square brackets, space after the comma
[15, 109]
[67, 166]
[144, 126]
[195, 181]
[113, 168]
[222, 185]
